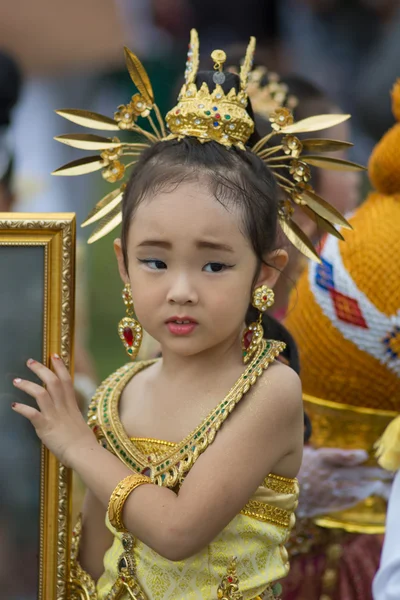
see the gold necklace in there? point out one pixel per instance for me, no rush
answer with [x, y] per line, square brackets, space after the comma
[169, 469]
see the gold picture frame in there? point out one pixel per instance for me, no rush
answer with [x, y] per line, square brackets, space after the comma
[55, 235]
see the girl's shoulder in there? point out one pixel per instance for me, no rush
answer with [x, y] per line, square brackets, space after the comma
[111, 387]
[279, 390]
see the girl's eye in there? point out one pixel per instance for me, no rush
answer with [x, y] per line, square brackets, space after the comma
[215, 267]
[156, 265]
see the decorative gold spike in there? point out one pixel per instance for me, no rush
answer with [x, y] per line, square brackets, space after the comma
[324, 209]
[81, 166]
[87, 141]
[104, 206]
[107, 224]
[335, 164]
[298, 239]
[247, 63]
[192, 64]
[325, 145]
[139, 76]
[87, 118]
[321, 223]
[316, 123]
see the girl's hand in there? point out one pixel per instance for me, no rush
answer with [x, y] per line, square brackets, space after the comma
[58, 423]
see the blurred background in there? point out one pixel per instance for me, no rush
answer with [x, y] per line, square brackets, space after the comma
[56, 54]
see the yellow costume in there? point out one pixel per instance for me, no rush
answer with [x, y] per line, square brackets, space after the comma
[247, 555]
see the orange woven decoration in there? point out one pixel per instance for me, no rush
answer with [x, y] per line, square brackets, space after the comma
[345, 315]
[384, 164]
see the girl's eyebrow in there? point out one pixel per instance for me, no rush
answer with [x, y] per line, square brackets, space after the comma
[213, 245]
[199, 244]
[157, 243]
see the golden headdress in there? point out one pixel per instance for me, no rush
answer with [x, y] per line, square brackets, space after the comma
[208, 116]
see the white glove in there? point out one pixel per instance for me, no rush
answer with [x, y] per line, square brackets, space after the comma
[332, 479]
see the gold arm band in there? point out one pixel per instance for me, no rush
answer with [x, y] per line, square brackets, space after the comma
[119, 497]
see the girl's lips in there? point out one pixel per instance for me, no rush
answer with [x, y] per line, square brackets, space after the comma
[181, 328]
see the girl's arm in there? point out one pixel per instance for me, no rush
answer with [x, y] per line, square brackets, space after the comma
[264, 431]
[96, 538]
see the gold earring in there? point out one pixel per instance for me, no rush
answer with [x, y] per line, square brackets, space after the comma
[129, 329]
[263, 298]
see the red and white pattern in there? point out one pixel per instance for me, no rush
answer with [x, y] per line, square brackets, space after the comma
[351, 312]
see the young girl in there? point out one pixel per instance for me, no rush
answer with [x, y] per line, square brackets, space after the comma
[192, 490]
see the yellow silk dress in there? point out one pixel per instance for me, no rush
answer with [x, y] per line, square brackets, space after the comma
[241, 563]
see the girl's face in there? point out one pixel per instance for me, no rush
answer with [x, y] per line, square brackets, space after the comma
[191, 269]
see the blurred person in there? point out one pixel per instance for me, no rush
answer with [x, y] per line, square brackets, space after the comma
[386, 584]
[10, 84]
[20, 451]
[345, 319]
[347, 47]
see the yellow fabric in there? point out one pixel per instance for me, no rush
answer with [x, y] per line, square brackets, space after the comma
[256, 536]
[258, 546]
[388, 446]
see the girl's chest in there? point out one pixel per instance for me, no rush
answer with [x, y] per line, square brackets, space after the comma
[164, 415]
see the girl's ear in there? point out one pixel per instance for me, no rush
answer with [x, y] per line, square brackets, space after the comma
[272, 268]
[120, 259]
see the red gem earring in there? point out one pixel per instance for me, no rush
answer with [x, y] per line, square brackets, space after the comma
[129, 329]
[263, 298]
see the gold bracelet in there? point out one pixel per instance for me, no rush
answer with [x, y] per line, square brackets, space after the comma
[119, 497]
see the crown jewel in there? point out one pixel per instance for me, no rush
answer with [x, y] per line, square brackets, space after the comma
[210, 116]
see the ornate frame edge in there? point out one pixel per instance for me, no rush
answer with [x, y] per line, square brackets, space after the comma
[60, 234]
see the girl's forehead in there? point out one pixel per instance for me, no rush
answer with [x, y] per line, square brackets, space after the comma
[191, 206]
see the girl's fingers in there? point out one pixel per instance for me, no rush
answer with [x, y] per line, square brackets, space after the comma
[50, 379]
[38, 392]
[63, 375]
[29, 412]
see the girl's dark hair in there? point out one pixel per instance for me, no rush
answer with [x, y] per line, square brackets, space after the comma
[234, 177]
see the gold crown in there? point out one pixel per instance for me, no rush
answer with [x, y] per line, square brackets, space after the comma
[209, 116]
[212, 115]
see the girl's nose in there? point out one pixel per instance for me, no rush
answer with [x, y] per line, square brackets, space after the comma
[181, 291]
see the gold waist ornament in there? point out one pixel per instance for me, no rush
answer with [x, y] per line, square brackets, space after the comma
[339, 425]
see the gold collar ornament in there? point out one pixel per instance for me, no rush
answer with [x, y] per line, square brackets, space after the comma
[209, 116]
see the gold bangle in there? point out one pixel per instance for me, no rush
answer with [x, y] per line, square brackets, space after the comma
[119, 497]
